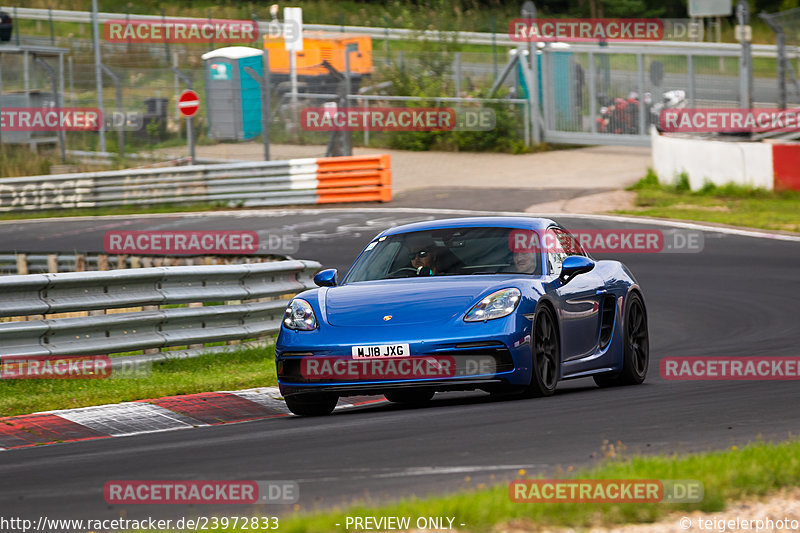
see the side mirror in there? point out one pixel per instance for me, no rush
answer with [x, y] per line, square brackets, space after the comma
[326, 278]
[574, 265]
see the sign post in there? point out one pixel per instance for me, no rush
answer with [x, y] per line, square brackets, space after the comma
[700, 9]
[293, 37]
[746, 57]
[188, 104]
[529, 12]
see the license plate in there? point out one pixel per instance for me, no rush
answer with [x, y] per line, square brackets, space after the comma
[380, 351]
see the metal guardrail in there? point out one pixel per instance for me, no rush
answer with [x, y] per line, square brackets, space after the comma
[400, 34]
[146, 159]
[53, 262]
[44, 294]
[295, 181]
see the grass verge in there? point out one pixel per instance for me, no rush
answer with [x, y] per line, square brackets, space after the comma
[730, 204]
[239, 369]
[754, 470]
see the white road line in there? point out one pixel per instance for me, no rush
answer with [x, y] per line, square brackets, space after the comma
[755, 233]
[437, 470]
[424, 471]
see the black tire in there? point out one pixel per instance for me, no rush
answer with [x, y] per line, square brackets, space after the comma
[412, 397]
[311, 404]
[636, 351]
[546, 358]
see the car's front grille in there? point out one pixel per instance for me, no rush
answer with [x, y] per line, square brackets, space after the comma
[473, 361]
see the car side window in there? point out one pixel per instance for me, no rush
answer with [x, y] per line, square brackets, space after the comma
[560, 245]
[569, 242]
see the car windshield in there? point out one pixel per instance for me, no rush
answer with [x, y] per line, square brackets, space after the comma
[444, 252]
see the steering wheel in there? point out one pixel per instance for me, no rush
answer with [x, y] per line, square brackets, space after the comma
[401, 270]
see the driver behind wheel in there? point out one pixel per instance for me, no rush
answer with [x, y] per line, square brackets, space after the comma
[423, 260]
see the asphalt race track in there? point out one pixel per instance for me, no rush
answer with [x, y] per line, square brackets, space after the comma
[739, 297]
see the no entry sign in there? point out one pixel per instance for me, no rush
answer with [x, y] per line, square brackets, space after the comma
[188, 103]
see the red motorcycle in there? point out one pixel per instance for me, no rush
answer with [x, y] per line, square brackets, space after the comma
[621, 115]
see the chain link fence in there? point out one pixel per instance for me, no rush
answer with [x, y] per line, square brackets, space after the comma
[583, 90]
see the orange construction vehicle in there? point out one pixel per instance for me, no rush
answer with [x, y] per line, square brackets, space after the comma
[318, 47]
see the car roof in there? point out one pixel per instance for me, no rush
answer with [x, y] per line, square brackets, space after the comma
[521, 222]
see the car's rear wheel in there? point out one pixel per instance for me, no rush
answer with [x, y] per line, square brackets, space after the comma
[636, 351]
[410, 396]
[546, 354]
[311, 404]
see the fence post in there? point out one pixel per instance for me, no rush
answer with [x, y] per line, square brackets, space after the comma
[640, 69]
[22, 264]
[52, 263]
[348, 88]
[458, 74]
[592, 95]
[494, 45]
[529, 12]
[194, 346]
[745, 59]
[98, 73]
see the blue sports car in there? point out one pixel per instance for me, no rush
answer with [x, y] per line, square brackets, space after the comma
[500, 304]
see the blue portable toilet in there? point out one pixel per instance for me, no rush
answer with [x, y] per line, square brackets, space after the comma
[564, 98]
[233, 97]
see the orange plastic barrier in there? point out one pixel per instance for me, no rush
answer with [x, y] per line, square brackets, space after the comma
[359, 178]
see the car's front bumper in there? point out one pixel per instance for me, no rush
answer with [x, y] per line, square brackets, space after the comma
[495, 355]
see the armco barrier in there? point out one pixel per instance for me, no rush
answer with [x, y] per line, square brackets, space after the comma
[43, 263]
[500, 38]
[245, 313]
[771, 165]
[327, 180]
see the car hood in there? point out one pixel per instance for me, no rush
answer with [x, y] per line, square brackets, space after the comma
[411, 301]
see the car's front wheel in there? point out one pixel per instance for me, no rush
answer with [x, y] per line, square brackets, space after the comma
[410, 396]
[636, 351]
[546, 354]
[311, 404]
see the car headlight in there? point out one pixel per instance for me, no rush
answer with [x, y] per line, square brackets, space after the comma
[497, 305]
[299, 315]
